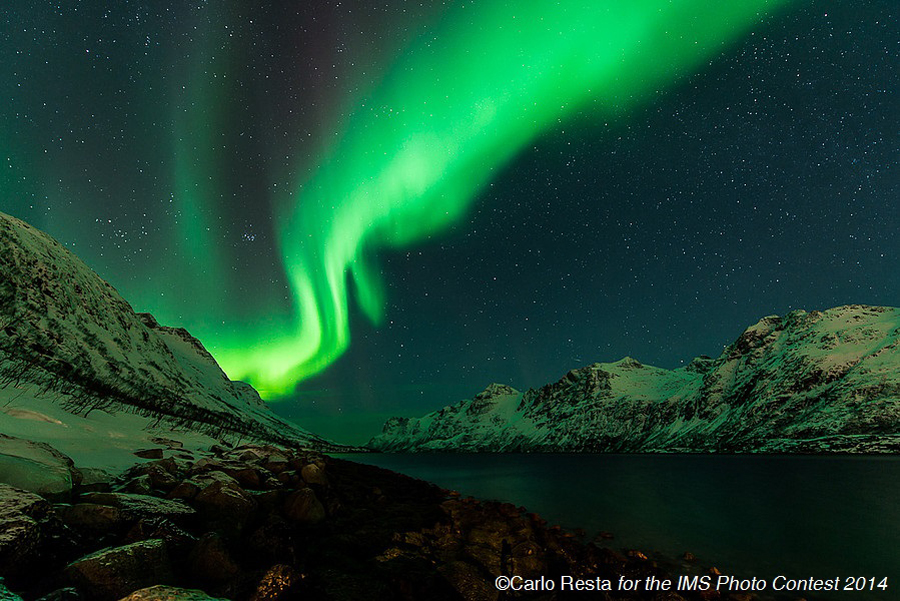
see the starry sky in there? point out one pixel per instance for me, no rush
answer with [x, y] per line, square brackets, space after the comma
[266, 176]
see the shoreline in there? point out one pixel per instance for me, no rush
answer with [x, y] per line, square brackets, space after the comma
[233, 520]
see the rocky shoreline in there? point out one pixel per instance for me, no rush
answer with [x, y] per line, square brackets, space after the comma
[265, 523]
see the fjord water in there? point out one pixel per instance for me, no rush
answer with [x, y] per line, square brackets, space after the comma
[761, 516]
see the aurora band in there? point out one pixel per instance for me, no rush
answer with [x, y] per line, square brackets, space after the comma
[460, 102]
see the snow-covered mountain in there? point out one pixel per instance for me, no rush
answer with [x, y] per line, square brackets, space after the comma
[823, 381]
[69, 342]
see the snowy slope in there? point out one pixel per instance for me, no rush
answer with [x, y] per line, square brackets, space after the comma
[822, 381]
[67, 335]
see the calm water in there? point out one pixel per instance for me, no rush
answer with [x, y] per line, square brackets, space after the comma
[748, 515]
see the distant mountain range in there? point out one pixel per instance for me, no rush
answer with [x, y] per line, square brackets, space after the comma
[812, 382]
[67, 335]
[816, 382]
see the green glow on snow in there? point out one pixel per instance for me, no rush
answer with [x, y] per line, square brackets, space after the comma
[461, 101]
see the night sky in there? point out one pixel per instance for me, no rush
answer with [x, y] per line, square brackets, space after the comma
[370, 211]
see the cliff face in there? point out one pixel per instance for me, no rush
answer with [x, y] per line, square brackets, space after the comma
[66, 334]
[824, 381]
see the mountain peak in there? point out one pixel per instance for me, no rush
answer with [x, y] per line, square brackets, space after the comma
[68, 334]
[495, 390]
[823, 381]
[629, 363]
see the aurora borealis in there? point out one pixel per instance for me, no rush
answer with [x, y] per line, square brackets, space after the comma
[457, 105]
[279, 179]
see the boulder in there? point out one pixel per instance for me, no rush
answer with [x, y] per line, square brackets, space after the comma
[279, 582]
[169, 593]
[167, 442]
[211, 562]
[156, 453]
[21, 534]
[63, 594]
[178, 541]
[276, 463]
[142, 485]
[115, 572]
[210, 476]
[187, 489]
[163, 474]
[6, 594]
[251, 455]
[36, 467]
[134, 506]
[92, 519]
[468, 581]
[247, 477]
[269, 501]
[94, 480]
[313, 474]
[206, 464]
[224, 505]
[303, 506]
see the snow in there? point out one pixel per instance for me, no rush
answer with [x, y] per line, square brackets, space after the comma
[101, 440]
[798, 382]
[78, 364]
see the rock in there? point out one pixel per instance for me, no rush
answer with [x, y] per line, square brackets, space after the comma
[313, 474]
[176, 465]
[206, 464]
[162, 475]
[187, 489]
[161, 479]
[169, 593]
[21, 535]
[271, 542]
[252, 455]
[178, 541]
[6, 594]
[142, 485]
[210, 476]
[63, 594]
[94, 480]
[276, 463]
[211, 561]
[303, 506]
[135, 506]
[36, 467]
[247, 477]
[92, 519]
[269, 500]
[218, 450]
[156, 453]
[468, 581]
[688, 556]
[526, 559]
[223, 504]
[115, 572]
[270, 483]
[167, 442]
[280, 582]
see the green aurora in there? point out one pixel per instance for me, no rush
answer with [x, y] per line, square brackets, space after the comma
[458, 104]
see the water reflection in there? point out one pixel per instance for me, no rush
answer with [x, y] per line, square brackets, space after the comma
[750, 515]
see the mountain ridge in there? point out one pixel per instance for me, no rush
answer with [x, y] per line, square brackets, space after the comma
[67, 334]
[819, 381]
